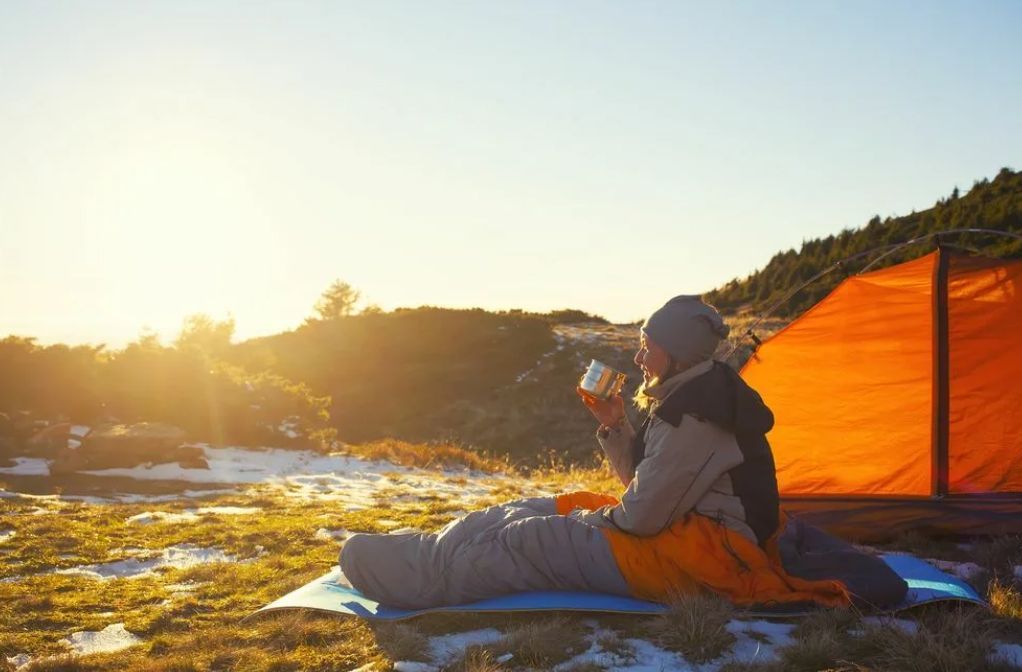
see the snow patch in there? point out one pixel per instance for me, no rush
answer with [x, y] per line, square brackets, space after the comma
[179, 557]
[149, 517]
[79, 430]
[28, 466]
[963, 570]
[748, 648]
[332, 535]
[111, 638]
[413, 666]
[446, 648]
[1010, 654]
[308, 476]
[190, 515]
[289, 428]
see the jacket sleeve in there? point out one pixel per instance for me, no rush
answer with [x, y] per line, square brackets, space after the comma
[681, 465]
[617, 446]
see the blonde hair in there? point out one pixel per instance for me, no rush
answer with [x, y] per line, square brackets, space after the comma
[642, 400]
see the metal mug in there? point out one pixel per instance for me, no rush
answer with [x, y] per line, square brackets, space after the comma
[601, 381]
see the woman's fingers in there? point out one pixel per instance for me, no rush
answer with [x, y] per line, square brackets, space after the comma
[607, 411]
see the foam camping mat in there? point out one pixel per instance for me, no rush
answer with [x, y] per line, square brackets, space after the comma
[926, 583]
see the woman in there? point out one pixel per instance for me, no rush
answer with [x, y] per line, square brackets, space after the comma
[700, 508]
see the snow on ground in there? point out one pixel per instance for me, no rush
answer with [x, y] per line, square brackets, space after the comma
[628, 654]
[180, 557]
[411, 666]
[189, 515]
[352, 482]
[332, 535]
[116, 498]
[308, 476]
[1007, 653]
[111, 638]
[749, 648]
[130, 498]
[756, 641]
[445, 649]
[28, 466]
[239, 465]
[963, 570]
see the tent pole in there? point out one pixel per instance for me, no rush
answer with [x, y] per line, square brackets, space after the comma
[941, 363]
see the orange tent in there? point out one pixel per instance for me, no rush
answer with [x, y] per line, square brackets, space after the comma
[898, 400]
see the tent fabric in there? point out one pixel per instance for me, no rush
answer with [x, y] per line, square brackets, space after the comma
[849, 384]
[887, 390]
[884, 519]
[985, 328]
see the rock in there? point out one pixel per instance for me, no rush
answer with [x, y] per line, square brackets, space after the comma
[122, 445]
[49, 441]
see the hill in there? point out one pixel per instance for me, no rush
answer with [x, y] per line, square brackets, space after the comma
[501, 382]
[995, 204]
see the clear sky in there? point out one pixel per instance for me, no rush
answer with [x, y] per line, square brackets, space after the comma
[159, 159]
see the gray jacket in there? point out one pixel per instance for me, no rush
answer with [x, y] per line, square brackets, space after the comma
[685, 470]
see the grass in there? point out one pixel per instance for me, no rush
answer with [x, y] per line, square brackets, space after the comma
[202, 629]
[695, 626]
[433, 455]
[543, 643]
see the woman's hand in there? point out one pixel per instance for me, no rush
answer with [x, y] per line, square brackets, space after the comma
[610, 412]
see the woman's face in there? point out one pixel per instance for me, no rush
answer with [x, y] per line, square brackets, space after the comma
[651, 358]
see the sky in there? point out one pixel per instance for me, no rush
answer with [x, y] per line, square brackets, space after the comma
[160, 159]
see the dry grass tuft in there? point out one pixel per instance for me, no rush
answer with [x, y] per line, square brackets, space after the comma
[64, 663]
[475, 659]
[695, 626]
[922, 545]
[823, 642]
[1005, 599]
[943, 640]
[427, 455]
[170, 666]
[999, 555]
[401, 641]
[293, 628]
[611, 642]
[565, 477]
[946, 640]
[544, 643]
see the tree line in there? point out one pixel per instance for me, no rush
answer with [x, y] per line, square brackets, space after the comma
[989, 204]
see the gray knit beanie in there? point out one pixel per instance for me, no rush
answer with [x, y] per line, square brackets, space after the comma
[688, 329]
